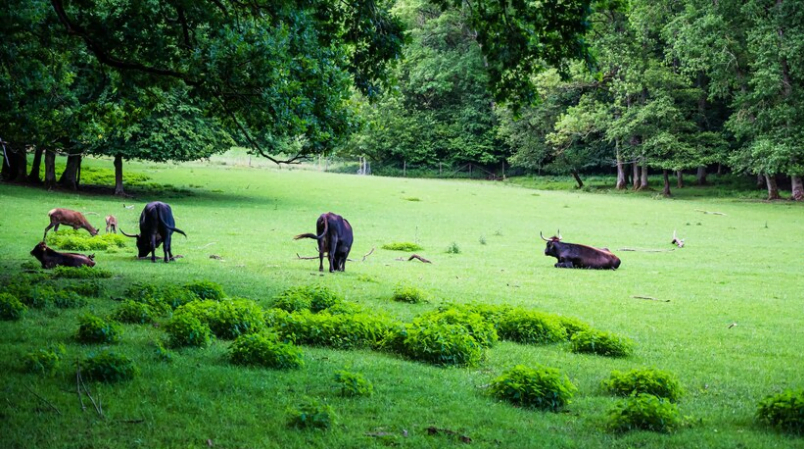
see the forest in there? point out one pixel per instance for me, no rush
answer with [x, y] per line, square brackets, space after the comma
[566, 87]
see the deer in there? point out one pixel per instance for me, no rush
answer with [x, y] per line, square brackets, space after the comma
[68, 217]
[677, 241]
[111, 223]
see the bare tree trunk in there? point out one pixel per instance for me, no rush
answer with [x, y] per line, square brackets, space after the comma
[666, 175]
[8, 171]
[635, 177]
[70, 178]
[679, 179]
[33, 177]
[760, 181]
[773, 189]
[643, 176]
[118, 175]
[798, 188]
[622, 182]
[700, 176]
[577, 178]
[50, 169]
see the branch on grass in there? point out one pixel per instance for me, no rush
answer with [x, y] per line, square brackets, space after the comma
[415, 256]
[647, 250]
[368, 254]
[650, 298]
[709, 213]
[44, 400]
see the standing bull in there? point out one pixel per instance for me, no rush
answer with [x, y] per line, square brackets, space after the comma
[570, 255]
[335, 238]
[156, 226]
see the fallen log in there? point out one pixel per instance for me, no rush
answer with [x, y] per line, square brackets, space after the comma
[650, 298]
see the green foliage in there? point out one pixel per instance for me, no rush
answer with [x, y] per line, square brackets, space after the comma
[480, 329]
[437, 343]
[322, 298]
[315, 298]
[644, 412]
[409, 294]
[37, 296]
[265, 350]
[67, 299]
[91, 288]
[162, 353]
[228, 318]
[11, 309]
[108, 366]
[93, 329]
[572, 325]
[80, 240]
[83, 272]
[150, 295]
[540, 387]
[342, 331]
[206, 290]
[176, 296]
[185, 329]
[601, 343]
[353, 384]
[402, 246]
[312, 414]
[525, 326]
[31, 265]
[492, 313]
[45, 361]
[661, 384]
[783, 411]
[134, 312]
[453, 248]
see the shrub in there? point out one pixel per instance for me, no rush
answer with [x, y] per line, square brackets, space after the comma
[453, 248]
[176, 296]
[162, 353]
[293, 299]
[149, 295]
[265, 350]
[525, 326]
[45, 361]
[572, 325]
[322, 298]
[783, 411]
[437, 343]
[402, 246]
[31, 265]
[185, 329]
[227, 319]
[83, 272]
[206, 290]
[482, 331]
[312, 414]
[133, 312]
[541, 387]
[275, 318]
[11, 309]
[39, 296]
[91, 288]
[409, 294]
[346, 308]
[335, 331]
[353, 384]
[490, 312]
[74, 240]
[651, 381]
[601, 343]
[93, 329]
[644, 412]
[67, 299]
[108, 366]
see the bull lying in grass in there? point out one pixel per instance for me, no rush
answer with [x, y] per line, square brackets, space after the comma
[50, 258]
[570, 255]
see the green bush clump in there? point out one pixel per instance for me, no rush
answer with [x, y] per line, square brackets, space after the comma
[276, 318]
[31, 265]
[94, 329]
[402, 246]
[572, 325]
[134, 312]
[335, 331]
[185, 329]
[176, 296]
[149, 295]
[346, 308]
[206, 290]
[453, 248]
[83, 272]
[108, 366]
[91, 288]
[74, 240]
[659, 383]
[312, 414]
[45, 361]
[541, 387]
[492, 313]
[783, 411]
[527, 326]
[409, 294]
[315, 298]
[601, 343]
[440, 344]
[265, 350]
[644, 412]
[67, 299]
[11, 308]
[322, 298]
[162, 353]
[229, 318]
[38, 296]
[353, 384]
[482, 330]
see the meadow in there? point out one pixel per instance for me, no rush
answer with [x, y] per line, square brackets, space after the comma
[726, 318]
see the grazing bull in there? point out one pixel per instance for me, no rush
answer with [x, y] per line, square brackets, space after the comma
[111, 223]
[68, 217]
[156, 226]
[335, 238]
[570, 255]
[50, 258]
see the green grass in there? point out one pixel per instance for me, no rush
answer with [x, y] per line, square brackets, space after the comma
[743, 267]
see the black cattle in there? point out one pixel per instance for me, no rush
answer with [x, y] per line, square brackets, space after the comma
[570, 255]
[156, 226]
[335, 238]
[50, 258]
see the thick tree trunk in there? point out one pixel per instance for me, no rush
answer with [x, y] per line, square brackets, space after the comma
[700, 176]
[50, 169]
[33, 177]
[118, 175]
[773, 189]
[15, 165]
[70, 178]
[666, 175]
[635, 176]
[679, 179]
[7, 170]
[622, 181]
[798, 188]
[760, 181]
[577, 178]
[643, 176]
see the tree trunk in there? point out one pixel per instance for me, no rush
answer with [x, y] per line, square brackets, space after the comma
[700, 176]
[798, 188]
[622, 182]
[50, 169]
[118, 175]
[69, 178]
[635, 177]
[666, 175]
[577, 178]
[643, 176]
[760, 181]
[15, 165]
[679, 179]
[773, 189]
[34, 178]
[7, 172]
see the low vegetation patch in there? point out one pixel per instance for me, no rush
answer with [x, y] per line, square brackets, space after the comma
[45, 361]
[229, 318]
[436, 343]
[409, 294]
[480, 329]
[402, 246]
[540, 387]
[492, 313]
[149, 295]
[601, 343]
[11, 308]
[83, 272]
[312, 414]
[134, 312]
[185, 329]
[644, 412]
[108, 366]
[340, 331]
[72, 240]
[92, 288]
[572, 325]
[206, 290]
[67, 299]
[659, 383]
[453, 248]
[305, 297]
[783, 411]
[353, 384]
[94, 329]
[265, 350]
[531, 327]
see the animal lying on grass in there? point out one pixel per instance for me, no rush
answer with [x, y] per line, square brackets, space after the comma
[50, 258]
[335, 238]
[570, 255]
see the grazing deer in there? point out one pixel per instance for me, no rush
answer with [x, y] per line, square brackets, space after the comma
[68, 217]
[111, 223]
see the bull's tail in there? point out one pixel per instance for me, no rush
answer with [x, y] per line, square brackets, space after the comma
[167, 226]
[176, 230]
[310, 235]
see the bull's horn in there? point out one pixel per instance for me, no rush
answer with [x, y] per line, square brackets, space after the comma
[542, 236]
[129, 235]
[558, 231]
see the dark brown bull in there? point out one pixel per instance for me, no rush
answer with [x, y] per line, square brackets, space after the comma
[570, 255]
[156, 226]
[334, 238]
[50, 258]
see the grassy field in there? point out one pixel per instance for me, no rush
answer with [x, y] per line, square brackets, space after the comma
[730, 328]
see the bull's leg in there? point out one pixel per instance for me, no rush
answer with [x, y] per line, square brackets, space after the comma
[321, 251]
[333, 246]
[166, 249]
[153, 248]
